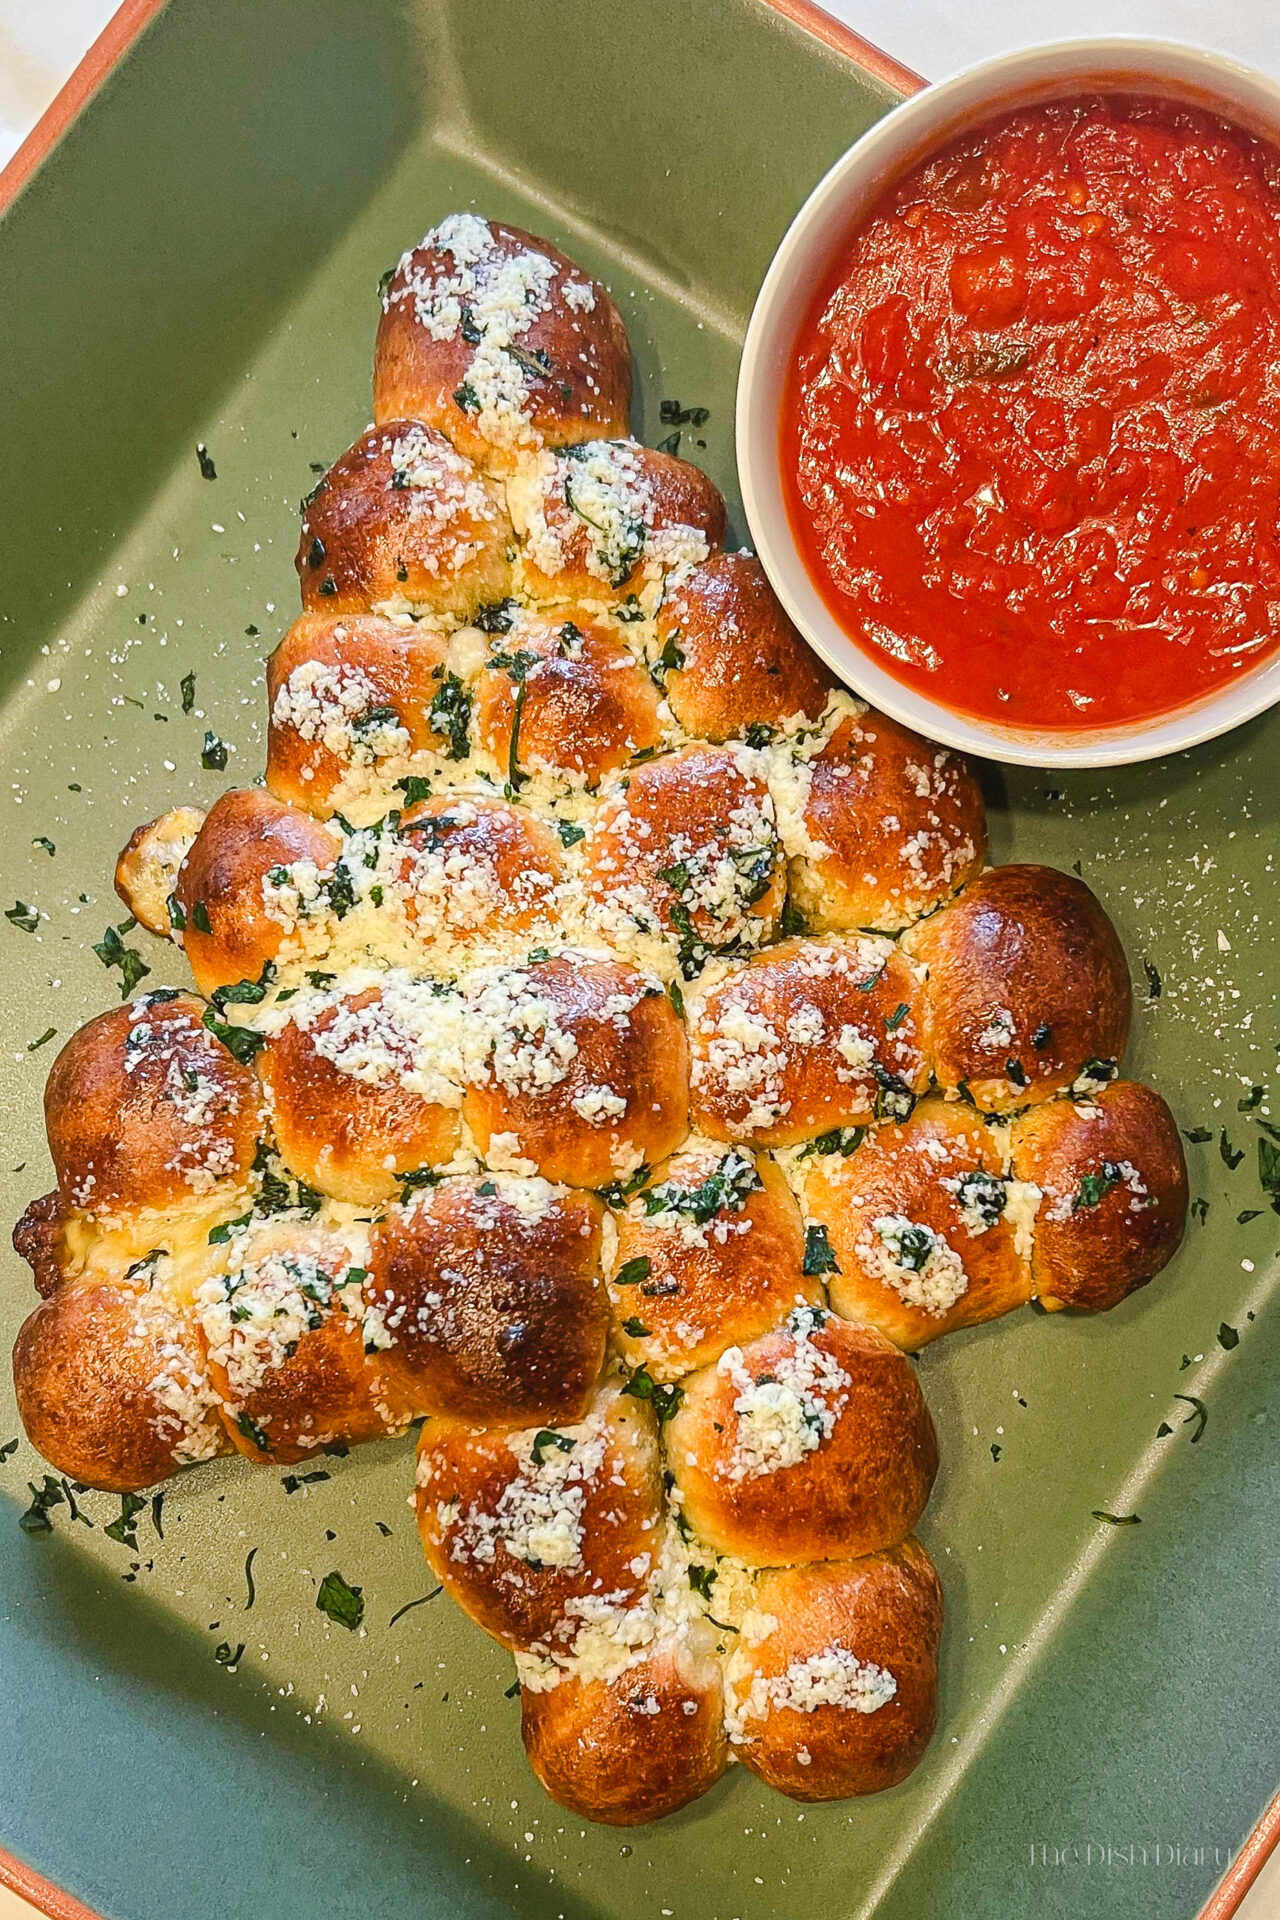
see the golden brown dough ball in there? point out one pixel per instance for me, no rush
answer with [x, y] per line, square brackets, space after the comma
[1027, 988]
[491, 1288]
[148, 866]
[608, 520]
[732, 662]
[839, 1696]
[145, 1108]
[880, 824]
[576, 701]
[586, 1073]
[403, 523]
[710, 1254]
[926, 1233]
[477, 868]
[812, 1443]
[1113, 1180]
[810, 1036]
[501, 342]
[286, 1327]
[347, 693]
[112, 1387]
[686, 847]
[636, 1747]
[355, 1095]
[535, 1533]
[230, 928]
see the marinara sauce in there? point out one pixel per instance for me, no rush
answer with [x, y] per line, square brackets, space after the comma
[1032, 430]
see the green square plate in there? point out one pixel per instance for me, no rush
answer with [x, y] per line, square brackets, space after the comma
[196, 261]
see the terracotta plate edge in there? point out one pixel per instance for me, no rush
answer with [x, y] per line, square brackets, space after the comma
[115, 40]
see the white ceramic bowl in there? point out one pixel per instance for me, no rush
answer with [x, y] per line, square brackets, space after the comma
[922, 124]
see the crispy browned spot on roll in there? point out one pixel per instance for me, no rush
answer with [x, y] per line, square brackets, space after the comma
[536, 1533]
[490, 1287]
[347, 694]
[733, 664]
[880, 824]
[148, 866]
[833, 1682]
[501, 342]
[402, 522]
[1113, 1181]
[358, 1091]
[710, 1254]
[477, 868]
[145, 1108]
[112, 1386]
[686, 847]
[811, 1035]
[587, 1071]
[1027, 989]
[812, 1443]
[925, 1231]
[637, 1746]
[561, 695]
[294, 1351]
[231, 923]
[609, 520]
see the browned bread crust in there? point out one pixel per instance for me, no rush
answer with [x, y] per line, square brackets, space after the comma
[347, 691]
[1027, 987]
[1113, 1178]
[519, 1525]
[402, 520]
[607, 522]
[144, 1108]
[732, 662]
[812, 1443]
[889, 826]
[812, 1035]
[808, 1701]
[572, 695]
[477, 866]
[491, 1288]
[631, 1749]
[480, 339]
[925, 1231]
[609, 1096]
[228, 934]
[686, 1283]
[148, 866]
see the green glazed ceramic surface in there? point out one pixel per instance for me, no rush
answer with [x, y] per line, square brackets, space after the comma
[197, 262]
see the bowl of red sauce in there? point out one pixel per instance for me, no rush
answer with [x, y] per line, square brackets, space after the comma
[1009, 409]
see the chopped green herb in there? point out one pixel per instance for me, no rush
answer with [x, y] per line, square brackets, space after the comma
[20, 915]
[702, 1579]
[672, 414]
[570, 833]
[43, 840]
[8, 1450]
[465, 398]
[635, 1328]
[451, 716]
[44, 1498]
[1197, 1135]
[618, 1192]
[241, 1042]
[818, 1257]
[632, 1272]
[226, 1655]
[1118, 1519]
[895, 1019]
[1228, 1338]
[665, 1400]
[292, 1481]
[676, 997]
[671, 444]
[1199, 1413]
[844, 1140]
[792, 921]
[188, 685]
[207, 469]
[726, 1189]
[414, 788]
[221, 1236]
[1041, 1037]
[248, 1577]
[112, 952]
[1155, 986]
[548, 1437]
[125, 1529]
[213, 754]
[344, 1605]
[1252, 1099]
[1269, 1170]
[409, 1605]
[1250, 1213]
[1094, 1187]
[50, 1033]
[1231, 1156]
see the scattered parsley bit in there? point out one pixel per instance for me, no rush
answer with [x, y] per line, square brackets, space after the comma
[226, 1656]
[409, 1605]
[248, 1577]
[665, 1400]
[844, 1140]
[241, 1042]
[1041, 1037]
[450, 715]
[125, 1529]
[1199, 1413]
[632, 1272]
[636, 1329]
[818, 1257]
[548, 1437]
[344, 1605]
[292, 1481]
[1155, 986]
[671, 444]
[1269, 1169]
[792, 921]
[252, 1432]
[8, 1450]
[43, 840]
[213, 754]
[414, 788]
[20, 915]
[465, 398]
[676, 997]
[1231, 1156]
[112, 952]
[44, 1498]
[895, 1019]
[726, 1189]
[702, 1579]
[50, 1033]
[1118, 1519]
[207, 469]
[1094, 1187]
[1197, 1135]
[570, 833]
[1228, 1338]
[672, 414]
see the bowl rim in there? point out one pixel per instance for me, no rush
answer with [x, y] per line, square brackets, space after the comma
[922, 122]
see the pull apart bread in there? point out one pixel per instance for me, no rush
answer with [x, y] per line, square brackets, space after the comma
[609, 1048]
